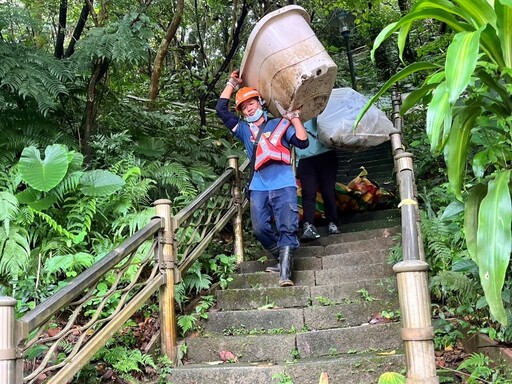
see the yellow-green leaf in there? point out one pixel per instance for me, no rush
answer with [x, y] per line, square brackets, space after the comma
[475, 197]
[391, 378]
[457, 146]
[504, 29]
[480, 12]
[494, 242]
[430, 12]
[415, 67]
[438, 110]
[461, 58]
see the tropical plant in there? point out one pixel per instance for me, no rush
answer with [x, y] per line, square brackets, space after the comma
[469, 120]
[391, 378]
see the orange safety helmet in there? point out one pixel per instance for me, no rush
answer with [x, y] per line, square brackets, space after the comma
[244, 94]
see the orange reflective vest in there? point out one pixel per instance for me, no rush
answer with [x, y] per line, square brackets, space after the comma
[270, 148]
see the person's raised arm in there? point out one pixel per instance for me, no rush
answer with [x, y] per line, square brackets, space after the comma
[294, 117]
[232, 85]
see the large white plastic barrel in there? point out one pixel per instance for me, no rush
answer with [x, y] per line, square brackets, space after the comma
[287, 63]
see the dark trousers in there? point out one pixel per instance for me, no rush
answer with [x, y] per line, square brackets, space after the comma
[319, 172]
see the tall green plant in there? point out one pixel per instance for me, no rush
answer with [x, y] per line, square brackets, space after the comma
[469, 108]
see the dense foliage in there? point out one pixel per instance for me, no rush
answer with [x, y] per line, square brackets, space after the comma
[106, 108]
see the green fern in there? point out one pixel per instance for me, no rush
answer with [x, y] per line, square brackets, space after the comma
[478, 366]
[125, 360]
[455, 287]
[15, 251]
[70, 265]
[195, 280]
[9, 208]
[131, 223]
[442, 241]
[80, 214]
[173, 174]
[187, 323]
[69, 184]
[30, 73]
[122, 42]
[54, 225]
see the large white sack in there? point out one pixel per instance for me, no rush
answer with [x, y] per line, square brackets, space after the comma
[336, 122]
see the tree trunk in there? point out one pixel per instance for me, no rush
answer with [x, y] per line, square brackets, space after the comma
[100, 69]
[80, 25]
[162, 52]
[59, 43]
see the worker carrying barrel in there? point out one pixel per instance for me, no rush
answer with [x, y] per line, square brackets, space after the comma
[272, 188]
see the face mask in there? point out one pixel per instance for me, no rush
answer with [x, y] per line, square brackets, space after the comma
[255, 117]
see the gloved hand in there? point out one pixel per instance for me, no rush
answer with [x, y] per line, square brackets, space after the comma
[234, 80]
[292, 114]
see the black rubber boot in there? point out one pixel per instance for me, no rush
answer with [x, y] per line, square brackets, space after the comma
[277, 267]
[286, 263]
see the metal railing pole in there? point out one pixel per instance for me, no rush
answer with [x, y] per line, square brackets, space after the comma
[167, 260]
[7, 340]
[238, 219]
[412, 273]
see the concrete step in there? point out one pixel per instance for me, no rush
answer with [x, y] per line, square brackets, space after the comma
[381, 290]
[274, 320]
[355, 290]
[368, 225]
[309, 271]
[363, 233]
[274, 296]
[370, 216]
[285, 347]
[354, 369]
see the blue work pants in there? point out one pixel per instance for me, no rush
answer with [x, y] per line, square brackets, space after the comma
[275, 217]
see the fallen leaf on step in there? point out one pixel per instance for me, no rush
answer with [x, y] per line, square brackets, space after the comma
[228, 356]
[389, 353]
[218, 362]
[324, 378]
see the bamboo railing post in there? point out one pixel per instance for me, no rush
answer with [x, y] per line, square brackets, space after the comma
[167, 260]
[7, 340]
[412, 272]
[238, 219]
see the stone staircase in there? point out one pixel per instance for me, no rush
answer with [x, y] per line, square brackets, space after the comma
[326, 324]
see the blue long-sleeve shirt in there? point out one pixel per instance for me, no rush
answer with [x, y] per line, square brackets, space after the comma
[275, 175]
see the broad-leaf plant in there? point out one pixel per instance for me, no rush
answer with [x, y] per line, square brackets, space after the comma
[469, 121]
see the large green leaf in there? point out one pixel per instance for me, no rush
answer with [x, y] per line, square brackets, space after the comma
[457, 147]
[492, 83]
[427, 13]
[43, 175]
[494, 242]
[491, 45]
[444, 5]
[480, 12]
[415, 97]
[471, 206]
[461, 58]
[404, 73]
[438, 110]
[100, 183]
[504, 29]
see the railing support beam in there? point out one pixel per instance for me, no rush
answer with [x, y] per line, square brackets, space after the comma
[238, 218]
[417, 331]
[167, 260]
[7, 340]
[412, 273]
